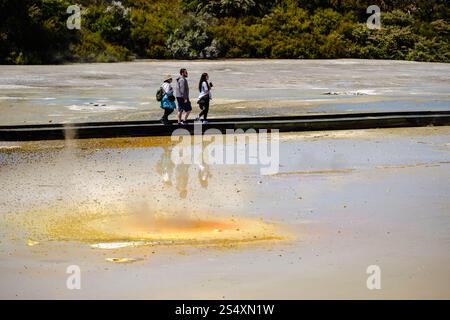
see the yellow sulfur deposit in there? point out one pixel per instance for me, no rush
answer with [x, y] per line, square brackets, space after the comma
[125, 229]
[31, 243]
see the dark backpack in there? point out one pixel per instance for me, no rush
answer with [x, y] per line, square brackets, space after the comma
[159, 94]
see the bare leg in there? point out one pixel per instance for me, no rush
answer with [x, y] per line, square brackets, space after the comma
[187, 115]
[179, 116]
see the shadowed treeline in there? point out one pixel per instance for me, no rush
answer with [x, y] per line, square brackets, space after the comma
[35, 32]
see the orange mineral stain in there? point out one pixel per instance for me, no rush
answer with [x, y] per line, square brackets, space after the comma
[116, 230]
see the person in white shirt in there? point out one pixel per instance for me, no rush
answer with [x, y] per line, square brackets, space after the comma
[168, 101]
[204, 87]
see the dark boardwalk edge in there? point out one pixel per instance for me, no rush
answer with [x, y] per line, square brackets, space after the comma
[282, 123]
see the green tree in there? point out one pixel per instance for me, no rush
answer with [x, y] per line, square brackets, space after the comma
[34, 31]
[193, 40]
[152, 25]
[228, 8]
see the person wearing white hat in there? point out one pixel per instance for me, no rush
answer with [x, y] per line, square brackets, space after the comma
[168, 100]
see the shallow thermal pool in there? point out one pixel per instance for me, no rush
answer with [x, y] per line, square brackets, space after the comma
[341, 201]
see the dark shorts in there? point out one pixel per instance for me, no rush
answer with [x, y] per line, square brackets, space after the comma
[182, 106]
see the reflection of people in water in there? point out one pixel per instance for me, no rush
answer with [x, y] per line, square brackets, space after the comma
[203, 174]
[182, 178]
[164, 166]
[203, 166]
[167, 169]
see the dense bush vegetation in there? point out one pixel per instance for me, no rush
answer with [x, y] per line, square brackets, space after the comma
[34, 31]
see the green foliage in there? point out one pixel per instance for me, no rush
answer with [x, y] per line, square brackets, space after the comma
[93, 48]
[435, 47]
[192, 40]
[152, 24]
[34, 31]
[112, 22]
[227, 8]
[397, 18]
[392, 42]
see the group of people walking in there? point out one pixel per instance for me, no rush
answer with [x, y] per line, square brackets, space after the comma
[181, 97]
